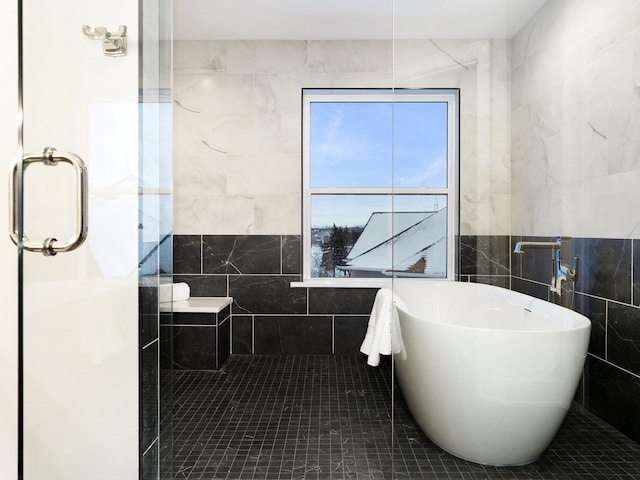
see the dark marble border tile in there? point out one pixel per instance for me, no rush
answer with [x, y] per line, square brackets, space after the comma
[166, 347]
[148, 313]
[224, 314]
[287, 335]
[595, 309]
[149, 464]
[535, 264]
[266, 294]
[187, 254]
[623, 336]
[292, 254]
[495, 280]
[241, 254]
[636, 272]
[195, 318]
[149, 390]
[341, 301]
[604, 267]
[614, 396]
[242, 334]
[485, 255]
[224, 343]
[194, 348]
[349, 333]
[530, 288]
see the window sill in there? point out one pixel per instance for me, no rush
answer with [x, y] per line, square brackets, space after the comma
[346, 283]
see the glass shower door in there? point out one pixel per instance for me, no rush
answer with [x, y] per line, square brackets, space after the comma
[79, 306]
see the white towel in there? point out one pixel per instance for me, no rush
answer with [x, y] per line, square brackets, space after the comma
[181, 292]
[383, 332]
[174, 292]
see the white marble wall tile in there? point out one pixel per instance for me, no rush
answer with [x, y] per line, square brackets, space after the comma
[210, 94]
[529, 167]
[561, 163]
[636, 63]
[608, 206]
[587, 150]
[485, 214]
[260, 174]
[277, 215]
[521, 217]
[282, 93]
[213, 214]
[240, 134]
[576, 120]
[290, 134]
[345, 56]
[254, 136]
[269, 56]
[553, 210]
[194, 55]
[357, 80]
[200, 174]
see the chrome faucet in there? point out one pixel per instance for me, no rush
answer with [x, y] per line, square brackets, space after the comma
[561, 272]
[554, 245]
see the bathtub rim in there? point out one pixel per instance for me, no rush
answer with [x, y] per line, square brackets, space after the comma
[584, 322]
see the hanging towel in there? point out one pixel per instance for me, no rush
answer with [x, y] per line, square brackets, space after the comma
[383, 335]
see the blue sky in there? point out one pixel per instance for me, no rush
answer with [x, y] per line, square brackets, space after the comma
[367, 145]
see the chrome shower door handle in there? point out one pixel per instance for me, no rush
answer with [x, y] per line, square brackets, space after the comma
[50, 246]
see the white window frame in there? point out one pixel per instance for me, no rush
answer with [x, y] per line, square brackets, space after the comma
[451, 191]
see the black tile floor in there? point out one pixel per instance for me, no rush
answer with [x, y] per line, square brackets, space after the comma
[330, 417]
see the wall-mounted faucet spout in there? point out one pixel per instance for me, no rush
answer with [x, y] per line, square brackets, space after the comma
[560, 272]
[554, 245]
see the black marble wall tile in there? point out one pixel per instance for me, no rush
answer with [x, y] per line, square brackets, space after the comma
[534, 263]
[614, 396]
[149, 390]
[204, 285]
[636, 272]
[623, 336]
[595, 309]
[241, 254]
[148, 295]
[242, 334]
[194, 348]
[195, 318]
[341, 301]
[349, 333]
[224, 342]
[148, 313]
[485, 255]
[166, 318]
[165, 257]
[287, 335]
[292, 254]
[149, 464]
[495, 280]
[530, 288]
[187, 254]
[166, 347]
[604, 267]
[266, 294]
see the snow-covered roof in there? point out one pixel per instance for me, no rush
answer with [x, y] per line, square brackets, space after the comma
[416, 244]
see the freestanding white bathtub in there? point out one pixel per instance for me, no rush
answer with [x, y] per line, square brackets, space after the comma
[487, 373]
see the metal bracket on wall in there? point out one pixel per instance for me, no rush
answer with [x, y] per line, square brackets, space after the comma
[114, 44]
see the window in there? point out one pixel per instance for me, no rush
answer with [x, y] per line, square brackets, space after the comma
[380, 181]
